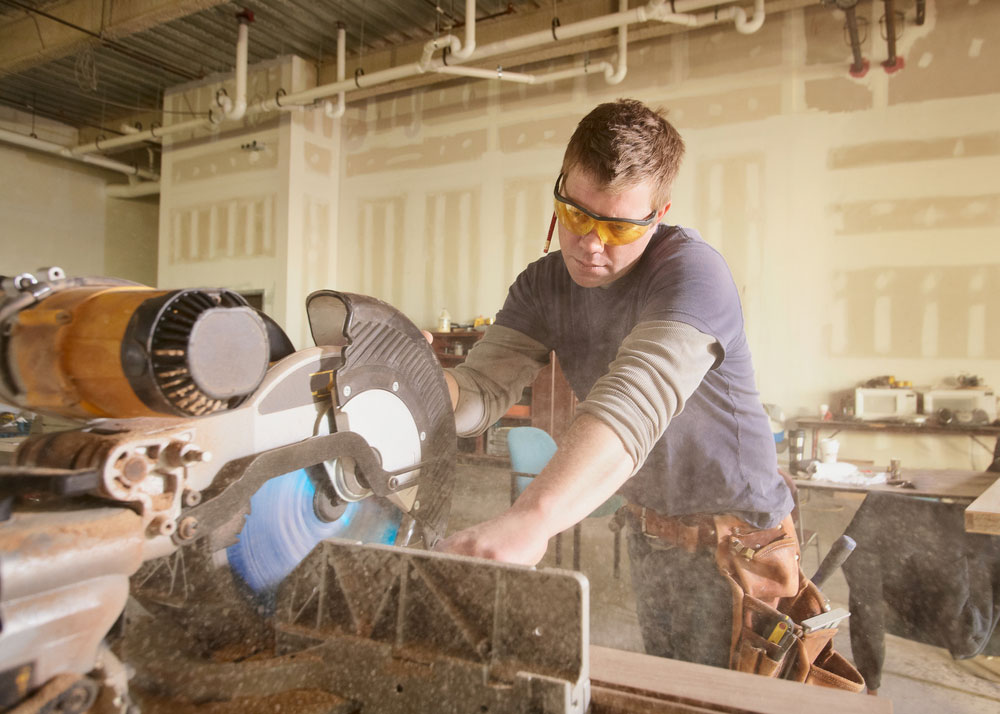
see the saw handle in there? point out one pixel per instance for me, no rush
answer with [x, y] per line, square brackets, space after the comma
[841, 550]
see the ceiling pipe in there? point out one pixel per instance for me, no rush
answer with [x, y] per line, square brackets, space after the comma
[328, 108]
[894, 63]
[605, 68]
[48, 147]
[859, 67]
[450, 43]
[672, 11]
[148, 134]
[479, 73]
[236, 109]
[658, 10]
[613, 76]
[745, 26]
[466, 50]
[230, 109]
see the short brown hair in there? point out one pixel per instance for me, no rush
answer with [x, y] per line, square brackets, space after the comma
[621, 144]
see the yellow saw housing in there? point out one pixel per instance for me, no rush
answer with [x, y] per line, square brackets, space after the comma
[132, 351]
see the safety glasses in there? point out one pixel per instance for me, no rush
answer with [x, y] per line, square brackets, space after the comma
[612, 231]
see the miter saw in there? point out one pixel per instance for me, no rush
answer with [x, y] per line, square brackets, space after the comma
[186, 525]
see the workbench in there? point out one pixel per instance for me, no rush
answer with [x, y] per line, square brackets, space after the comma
[913, 573]
[980, 488]
[916, 573]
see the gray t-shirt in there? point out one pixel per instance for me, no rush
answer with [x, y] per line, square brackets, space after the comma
[718, 455]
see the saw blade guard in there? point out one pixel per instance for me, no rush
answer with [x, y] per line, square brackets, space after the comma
[389, 390]
[381, 349]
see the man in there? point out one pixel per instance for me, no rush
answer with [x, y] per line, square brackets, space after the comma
[646, 322]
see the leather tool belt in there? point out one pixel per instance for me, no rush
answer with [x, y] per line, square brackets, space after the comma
[772, 598]
[692, 532]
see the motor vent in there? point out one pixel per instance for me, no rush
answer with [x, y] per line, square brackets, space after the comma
[204, 351]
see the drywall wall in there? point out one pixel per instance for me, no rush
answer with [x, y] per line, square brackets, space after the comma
[253, 206]
[131, 238]
[859, 216]
[56, 212]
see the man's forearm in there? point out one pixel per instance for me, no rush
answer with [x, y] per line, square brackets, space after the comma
[588, 468]
[452, 389]
[590, 465]
[493, 377]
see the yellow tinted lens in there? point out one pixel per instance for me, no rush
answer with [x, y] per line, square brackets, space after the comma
[616, 233]
[573, 220]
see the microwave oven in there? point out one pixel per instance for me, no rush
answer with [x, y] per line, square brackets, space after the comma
[961, 402]
[883, 403]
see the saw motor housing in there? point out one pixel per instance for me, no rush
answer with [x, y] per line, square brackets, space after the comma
[104, 350]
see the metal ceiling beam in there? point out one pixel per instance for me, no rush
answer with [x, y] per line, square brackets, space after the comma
[28, 39]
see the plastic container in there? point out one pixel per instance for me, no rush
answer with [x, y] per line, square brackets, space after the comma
[444, 321]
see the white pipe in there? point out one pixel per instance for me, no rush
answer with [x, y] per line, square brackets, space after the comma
[130, 139]
[231, 109]
[739, 17]
[559, 75]
[497, 73]
[49, 147]
[239, 107]
[524, 42]
[432, 46]
[328, 108]
[654, 10]
[658, 10]
[466, 50]
[749, 27]
[458, 50]
[605, 68]
[612, 76]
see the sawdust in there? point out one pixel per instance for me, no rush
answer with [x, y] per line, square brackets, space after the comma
[299, 701]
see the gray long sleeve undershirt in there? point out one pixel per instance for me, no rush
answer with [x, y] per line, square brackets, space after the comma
[658, 366]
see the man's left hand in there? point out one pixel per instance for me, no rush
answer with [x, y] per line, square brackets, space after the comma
[510, 538]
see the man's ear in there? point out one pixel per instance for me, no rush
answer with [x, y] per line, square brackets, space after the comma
[662, 212]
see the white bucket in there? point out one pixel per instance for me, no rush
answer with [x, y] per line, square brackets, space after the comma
[828, 449]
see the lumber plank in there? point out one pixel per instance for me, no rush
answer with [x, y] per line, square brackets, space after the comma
[701, 688]
[983, 514]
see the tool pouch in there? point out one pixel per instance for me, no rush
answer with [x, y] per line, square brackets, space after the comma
[771, 597]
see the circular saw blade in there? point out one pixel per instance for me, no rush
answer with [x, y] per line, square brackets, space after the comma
[282, 529]
[390, 390]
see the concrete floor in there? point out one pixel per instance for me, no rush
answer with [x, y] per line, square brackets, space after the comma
[917, 678]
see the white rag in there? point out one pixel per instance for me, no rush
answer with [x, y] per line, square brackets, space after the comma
[840, 472]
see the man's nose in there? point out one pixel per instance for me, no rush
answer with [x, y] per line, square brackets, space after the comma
[592, 242]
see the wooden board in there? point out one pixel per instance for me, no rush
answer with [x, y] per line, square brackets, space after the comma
[983, 514]
[654, 685]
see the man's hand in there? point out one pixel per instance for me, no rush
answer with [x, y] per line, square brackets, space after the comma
[589, 466]
[510, 537]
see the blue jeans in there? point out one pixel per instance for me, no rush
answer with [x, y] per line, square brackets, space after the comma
[685, 606]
